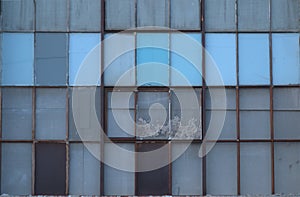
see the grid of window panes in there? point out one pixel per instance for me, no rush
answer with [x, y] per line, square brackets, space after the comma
[255, 45]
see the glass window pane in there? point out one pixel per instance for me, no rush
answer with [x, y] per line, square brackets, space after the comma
[81, 46]
[285, 59]
[153, 58]
[229, 130]
[88, 103]
[253, 15]
[220, 15]
[152, 117]
[287, 168]
[218, 98]
[286, 98]
[186, 70]
[287, 125]
[154, 182]
[186, 170]
[117, 181]
[84, 171]
[186, 114]
[256, 168]
[254, 98]
[254, 59]
[120, 123]
[125, 18]
[255, 124]
[18, 15]
[50, 169]
[16, 169]
[285, 15]
[51, 59]
[50, 113]
[51, 15]
[221, 169]
[119, 60]
[85, 15]
[17, 55]
[16, 113]
[185, 14]
[153, 13]
[222, 49]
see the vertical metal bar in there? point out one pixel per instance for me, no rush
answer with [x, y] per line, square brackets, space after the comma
[67, 141]
[271, 102]
[203, 93]
[135, 106]
[237, 102]
[0, 132]
[170, 168]
[33, 138]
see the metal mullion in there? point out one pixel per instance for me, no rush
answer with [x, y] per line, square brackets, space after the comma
[33, 139]
[67, 142]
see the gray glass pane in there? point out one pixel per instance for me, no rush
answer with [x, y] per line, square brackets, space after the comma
[286, 98]
[287, 125]
[251, 98]
[256, 168]
[126, 14]
[89, 99]
[153, 13]
[185, 14]
[285, 14]
[120, 100]
[51, 15]
[287, 168]
[255, 124]
[218, 98]
[51, 113]
[18, 15]
[220, 15]
[17, 55]
[221, 169]
[16, 169]
[51, 59]
[186, 170]
[253, 15]
[285, 57]
[229, 128]
[85, 15]
[16, 113]
[84, 171]
[254, 59]
[119, 62]
[147, 99]
[120, 123]
[116, 181]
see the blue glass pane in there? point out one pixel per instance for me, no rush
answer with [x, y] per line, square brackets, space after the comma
[254, 67]
[222, 51]
[286, 67]
[17, 57]
[153, 59]
[119, 59]
[187, 70]
[80, 46]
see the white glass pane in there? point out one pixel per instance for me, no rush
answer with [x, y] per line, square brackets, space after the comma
[16, 169]
[221, 169]
[17, 55]
[81, 46]
[153, 59]
[186, 170]
[117, 181]
[119, 60]
[287, 168]
[254, 65]
[222, 49]
[256, 168]
[84, 171]
[186, 68]
[285, 59]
